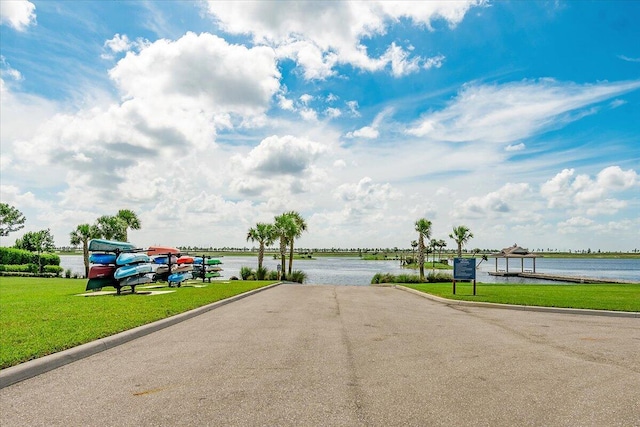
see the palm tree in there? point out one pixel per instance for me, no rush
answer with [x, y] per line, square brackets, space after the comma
[461, 235]
[112, 228]
[131, 219]
[285, 226]
[263, 233]
[301, 226]
[423, 227]
[82, 234]
[440, 244]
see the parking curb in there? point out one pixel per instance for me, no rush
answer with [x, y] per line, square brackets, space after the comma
[451, 302]
[32, 368]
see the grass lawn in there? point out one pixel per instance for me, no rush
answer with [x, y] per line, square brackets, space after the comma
[43, 316]
[590, 296]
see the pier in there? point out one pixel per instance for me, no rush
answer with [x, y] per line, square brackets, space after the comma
[559, 277]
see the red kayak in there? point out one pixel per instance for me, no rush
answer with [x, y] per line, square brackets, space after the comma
[162, 250]
[184, 259]
[101, 271]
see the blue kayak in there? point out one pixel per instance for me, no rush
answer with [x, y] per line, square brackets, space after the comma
[179, 277]
[126, 258]
[103, 245]
[104, 259]
[132, 270]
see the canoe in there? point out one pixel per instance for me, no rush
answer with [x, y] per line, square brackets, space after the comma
[97, 271]
[162, 250]
[132, 258]
[185, 260]
[208, 261]
[211, 275]
[101, 282]
[213, 268]
[140, 279]
[179, 268]
[102, 245]
[179, 277]
[132, 270]
[105, 259]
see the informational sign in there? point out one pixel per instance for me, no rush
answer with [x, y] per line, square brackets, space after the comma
[464, 269]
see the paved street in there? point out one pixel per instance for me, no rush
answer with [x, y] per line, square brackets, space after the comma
[349, 356]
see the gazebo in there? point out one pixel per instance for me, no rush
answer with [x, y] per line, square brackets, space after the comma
[514, 251]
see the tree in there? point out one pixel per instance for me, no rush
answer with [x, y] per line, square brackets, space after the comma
[441, 244]
[11, 219]
[37, 241]
[461, 235]
[300, 227]
[265, 234]
[112, 227]
[423, 227]
[285, 226]
[130, 219]
[82, 234]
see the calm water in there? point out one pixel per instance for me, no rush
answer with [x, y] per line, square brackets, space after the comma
[353, 271]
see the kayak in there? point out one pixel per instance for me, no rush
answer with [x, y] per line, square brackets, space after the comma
[98, 271]
[102, 245]
[132, 258]
[105, 259]
[179, 268]
[162, 250]
[208, 261]
[101, 282]
[179, 277]
[185, 260]
[164, 259]
[141, 279]
[132, 270]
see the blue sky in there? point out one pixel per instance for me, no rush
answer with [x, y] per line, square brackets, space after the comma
[517, 119]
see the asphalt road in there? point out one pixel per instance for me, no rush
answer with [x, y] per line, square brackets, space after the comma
[349, 356]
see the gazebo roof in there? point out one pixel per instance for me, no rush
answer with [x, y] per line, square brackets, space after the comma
[514, 251]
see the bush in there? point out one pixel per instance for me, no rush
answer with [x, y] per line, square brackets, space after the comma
[261, 273]
[439, 277]
[273, 275]
[13, 256]
[67, 273]
[297, 276]
[409, 278]
[55, 269]
[246, 273]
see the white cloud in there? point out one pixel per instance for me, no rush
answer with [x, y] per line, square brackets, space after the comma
[201, 71]
[286, 155]
[433, 62]
[364, 201]
[365, 132]
[502, 202]
[590, 196]
[513, 111]
[515, 147]
[319, 35]
[18, 14]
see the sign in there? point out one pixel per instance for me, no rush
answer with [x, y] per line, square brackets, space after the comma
[464, 269]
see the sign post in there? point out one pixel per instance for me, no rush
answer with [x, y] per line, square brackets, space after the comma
[464, 269]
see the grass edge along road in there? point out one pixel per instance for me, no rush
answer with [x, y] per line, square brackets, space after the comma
[623, 297]
[44, 316]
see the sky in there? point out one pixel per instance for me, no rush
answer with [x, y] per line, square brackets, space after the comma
[519, 120]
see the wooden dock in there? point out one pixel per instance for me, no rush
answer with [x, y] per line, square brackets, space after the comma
[559, 278]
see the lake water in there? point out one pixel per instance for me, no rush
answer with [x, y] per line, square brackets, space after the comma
[354, 271]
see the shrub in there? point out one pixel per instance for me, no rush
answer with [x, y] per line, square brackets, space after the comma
[13, 256]
[407, 278]
[246, 273]
[67, 273]
[273, 275]
[383, 278]
[261, 273]
[55, 269]
[439, 277]
[297, 276]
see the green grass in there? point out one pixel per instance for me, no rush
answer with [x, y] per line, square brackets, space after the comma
[43, 316]
[589, 296]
